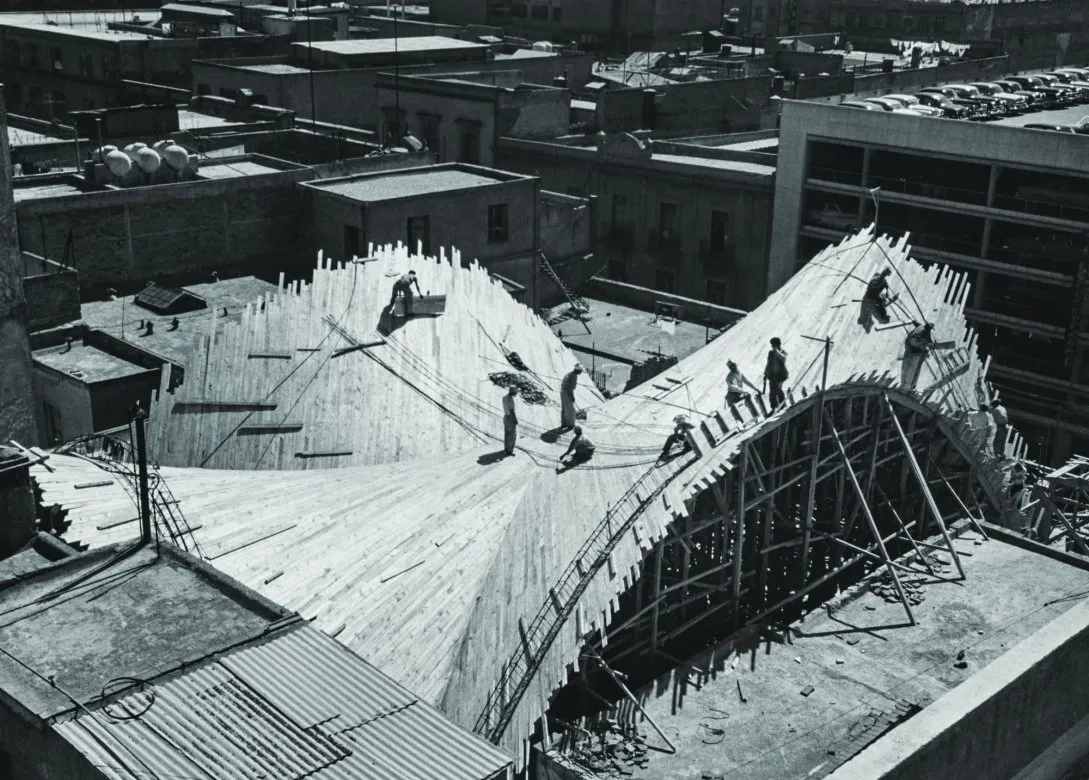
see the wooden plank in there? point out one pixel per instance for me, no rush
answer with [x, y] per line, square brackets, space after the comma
[271, 355]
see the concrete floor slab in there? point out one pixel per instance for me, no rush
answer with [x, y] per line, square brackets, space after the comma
[864, 680]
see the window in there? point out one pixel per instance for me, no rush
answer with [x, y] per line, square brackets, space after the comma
[539, 13]
[109, 69]
[667, 224]
[557, 14]
[32, 55]
[35, 99]
[716, 292]
[470, 146]
[56, 58]
[429, 131]
[498, 230]
[719, 225]
[393, 121]
[518, 10]
[663, 280]
[351, 242]
[226, 92]
[58, 105]
[419, 234]
[620, 211]
[86, 66]
[54, 431]
[204, 89]
[758, 13]
[15, 94]
[12, 53]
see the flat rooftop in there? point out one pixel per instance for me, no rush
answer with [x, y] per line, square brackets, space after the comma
[29, 189]
[194, 120]
[621, 336]
[19, 137]
[275, 68]
[379, 46]
[409, 183]
[753, 169]
[71, 629]
[87, 363]
[864, 666]
[93, 20]
[98, 34]
[175, 345]
[235, 168]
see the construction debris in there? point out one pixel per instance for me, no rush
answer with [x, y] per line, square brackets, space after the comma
[610, 749]
[531, 392]
[884, 587]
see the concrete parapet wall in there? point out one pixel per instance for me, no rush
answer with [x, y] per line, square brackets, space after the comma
[998, 721]
[645, 298]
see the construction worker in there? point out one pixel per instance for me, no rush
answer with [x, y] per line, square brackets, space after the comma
[736, 383]
[567, 397]
[916, 346]
[679, 435]
[510, 421]
[403, 286]
[1002, 429]
[581, 449]
[919, 341]
[876, 294]
[775, 373]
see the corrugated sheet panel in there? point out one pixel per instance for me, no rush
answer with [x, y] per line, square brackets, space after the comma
[300, 705]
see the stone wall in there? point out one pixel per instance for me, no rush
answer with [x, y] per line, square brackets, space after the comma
[727, 105]
[16, 394]
[178, 233]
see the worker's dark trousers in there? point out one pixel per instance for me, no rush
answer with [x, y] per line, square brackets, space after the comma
[1000, 435]
[567, 410]
[775, 392]
[510, 433]
[408, 299]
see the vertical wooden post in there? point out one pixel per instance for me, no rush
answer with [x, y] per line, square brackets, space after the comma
[818, 431]
[739, 529]
[927, 495]
[656, 595]
[872, 523]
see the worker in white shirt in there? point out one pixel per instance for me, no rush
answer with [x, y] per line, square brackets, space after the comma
[736, 382]
[510, 421]
[1002, 429]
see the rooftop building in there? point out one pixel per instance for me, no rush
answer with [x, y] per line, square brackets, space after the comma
[196, 675]
[675, 218]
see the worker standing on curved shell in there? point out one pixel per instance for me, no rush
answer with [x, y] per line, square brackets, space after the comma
[567, 397]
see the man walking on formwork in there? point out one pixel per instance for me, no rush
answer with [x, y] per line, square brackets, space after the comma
[1002, 429]
[403, 287]
[510, 421]
[567, 397]
[775, 373]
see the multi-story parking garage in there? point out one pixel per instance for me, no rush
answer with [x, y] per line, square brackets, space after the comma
[1005, 204]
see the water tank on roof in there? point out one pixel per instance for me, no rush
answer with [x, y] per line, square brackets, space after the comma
[160, 145]
[176, 157]
[148, 160]
[118, 162]
[100, 154]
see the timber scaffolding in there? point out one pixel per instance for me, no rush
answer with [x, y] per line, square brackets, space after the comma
[486, 585]
[1054, 502]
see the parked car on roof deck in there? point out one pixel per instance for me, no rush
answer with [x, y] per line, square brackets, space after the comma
[1037, 100]
[947, 106]
[974, 109]
[911, 103]
[1048, 126]
[891, 106]
[1074, 94]
[990, 106]
[832, 216]
[1017, 104]
[1075, 82]
[860, 104]
[1054, 96]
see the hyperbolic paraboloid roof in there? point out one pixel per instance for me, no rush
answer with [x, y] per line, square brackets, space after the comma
[430, 567]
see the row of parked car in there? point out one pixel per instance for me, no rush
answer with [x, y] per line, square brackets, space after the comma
[987, 100]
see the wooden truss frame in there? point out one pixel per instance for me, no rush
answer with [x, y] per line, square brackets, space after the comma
[809, 508]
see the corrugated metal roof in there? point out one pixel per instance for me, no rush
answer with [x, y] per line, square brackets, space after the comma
[299, 705]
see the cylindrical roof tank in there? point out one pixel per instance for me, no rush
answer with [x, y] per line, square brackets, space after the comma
[176, 157]
[148, 160]
[118, 163]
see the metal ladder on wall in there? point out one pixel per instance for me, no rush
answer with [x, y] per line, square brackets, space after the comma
[519, 669]
[578, 303]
